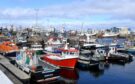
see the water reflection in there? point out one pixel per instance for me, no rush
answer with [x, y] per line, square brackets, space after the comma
[95, 71]
[99, 71]
[83, 74]
[69, 76]
[120, 63]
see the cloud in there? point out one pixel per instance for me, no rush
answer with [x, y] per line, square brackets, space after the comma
[114, 10]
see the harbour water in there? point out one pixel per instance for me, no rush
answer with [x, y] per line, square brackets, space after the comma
[112, 73]
[107, 73]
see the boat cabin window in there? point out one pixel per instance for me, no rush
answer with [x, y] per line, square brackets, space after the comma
[64, 52]
[72, 53]
[36, 46]
[76, 53]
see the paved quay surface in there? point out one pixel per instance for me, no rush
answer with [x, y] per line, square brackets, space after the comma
[10, 75]
[15, 74]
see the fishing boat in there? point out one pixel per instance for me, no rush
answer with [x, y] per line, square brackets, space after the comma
[114, 55]
[52, 45]
[52, 49]
[54, 41]
[28, 61]
[8, 47]
[110, 34]
[90, 38]
[98, 49]
[36, 47]
[67, 59]
[3, 38]
[87, 58]
[21, 40]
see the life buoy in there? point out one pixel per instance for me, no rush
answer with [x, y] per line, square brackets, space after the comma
[29, 53]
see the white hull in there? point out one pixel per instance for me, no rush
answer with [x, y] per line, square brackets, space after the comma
[110, 35]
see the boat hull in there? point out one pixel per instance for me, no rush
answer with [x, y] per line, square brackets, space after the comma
[64, 63]
[11, 54]
[119, 57]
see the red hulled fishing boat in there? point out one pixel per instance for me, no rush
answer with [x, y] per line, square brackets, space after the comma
[67, 59]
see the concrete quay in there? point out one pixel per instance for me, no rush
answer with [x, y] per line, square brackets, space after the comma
[16, 75]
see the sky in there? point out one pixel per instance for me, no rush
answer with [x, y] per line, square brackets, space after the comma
[90, 13]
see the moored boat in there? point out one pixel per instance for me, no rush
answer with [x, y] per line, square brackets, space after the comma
[52, 49]
[88, 57]
[98, 50]
[117, 55]
[28, 61]
[36, 47]
[110, 34]
[67, 59]
[8, 47]
[52, 45]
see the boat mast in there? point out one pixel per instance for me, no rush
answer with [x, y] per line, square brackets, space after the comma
[82, 28]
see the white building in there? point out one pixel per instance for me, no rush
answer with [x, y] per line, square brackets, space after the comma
[124, 31]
